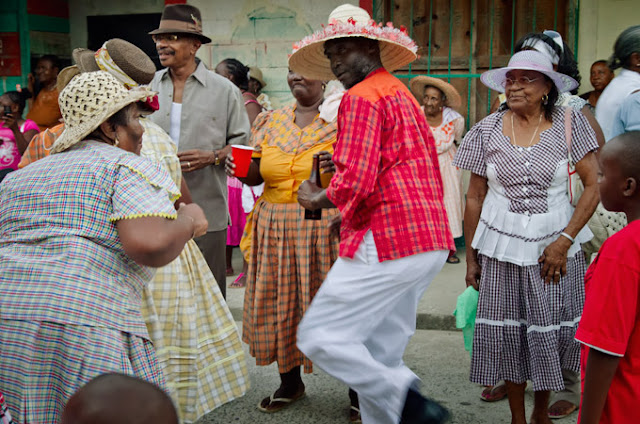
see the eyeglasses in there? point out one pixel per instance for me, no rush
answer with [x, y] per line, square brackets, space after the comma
[165, 37]
[523, 81]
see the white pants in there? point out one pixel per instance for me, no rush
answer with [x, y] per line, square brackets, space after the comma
[360, 321]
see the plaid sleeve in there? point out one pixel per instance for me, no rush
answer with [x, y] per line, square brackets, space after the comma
[259, 132]
[357, 154]
[470, 154]
[40, 146]
[142, 189]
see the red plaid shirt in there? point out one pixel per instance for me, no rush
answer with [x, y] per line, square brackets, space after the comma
[387, 177]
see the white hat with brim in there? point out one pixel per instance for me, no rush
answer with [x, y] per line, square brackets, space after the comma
[452, 97]
[397, 49]
[89, 100]
[528, 60]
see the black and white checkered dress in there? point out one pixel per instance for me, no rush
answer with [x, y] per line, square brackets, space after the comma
[524, 328]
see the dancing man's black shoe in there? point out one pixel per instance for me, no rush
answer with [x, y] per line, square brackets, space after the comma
[420, 410]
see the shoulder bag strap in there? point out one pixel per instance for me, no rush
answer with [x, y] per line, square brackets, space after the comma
[567, 131]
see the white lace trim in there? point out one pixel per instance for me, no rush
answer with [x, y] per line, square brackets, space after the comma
[530, 328]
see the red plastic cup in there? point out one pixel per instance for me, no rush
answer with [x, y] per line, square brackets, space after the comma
[242, 159]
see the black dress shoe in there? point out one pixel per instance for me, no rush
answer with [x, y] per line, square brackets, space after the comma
[420, 410]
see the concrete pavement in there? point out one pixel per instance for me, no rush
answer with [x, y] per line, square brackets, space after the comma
[435, 308]
[437, 357]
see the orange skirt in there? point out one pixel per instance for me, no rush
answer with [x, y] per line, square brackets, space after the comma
[289, 259]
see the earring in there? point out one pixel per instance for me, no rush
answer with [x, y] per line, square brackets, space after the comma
[545, 99]
[116, 142]
[324, 86]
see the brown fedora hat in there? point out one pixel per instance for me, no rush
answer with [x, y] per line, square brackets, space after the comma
[85, 60]
[181, 19]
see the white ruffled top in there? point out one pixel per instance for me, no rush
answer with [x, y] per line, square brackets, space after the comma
[520, 238]
[526, 206]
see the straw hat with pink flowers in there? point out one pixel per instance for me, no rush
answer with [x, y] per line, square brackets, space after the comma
[397, 49]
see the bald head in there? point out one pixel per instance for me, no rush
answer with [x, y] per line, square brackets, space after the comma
[118, 398]
[624, 150]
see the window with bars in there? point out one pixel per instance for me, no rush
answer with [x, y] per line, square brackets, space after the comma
[460, 39]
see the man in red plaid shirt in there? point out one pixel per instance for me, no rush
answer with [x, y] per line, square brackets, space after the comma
[394, 233]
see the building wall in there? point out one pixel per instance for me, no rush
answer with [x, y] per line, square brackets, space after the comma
[80, 9]
[256, 32]
[260, 33]
[601, 21]
[42, 27]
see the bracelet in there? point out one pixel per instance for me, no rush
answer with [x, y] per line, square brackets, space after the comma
[217, 161]
[571, 239]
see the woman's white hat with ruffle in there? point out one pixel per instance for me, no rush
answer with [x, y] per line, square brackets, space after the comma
[89, 100]
[528, 60]
[397, 49]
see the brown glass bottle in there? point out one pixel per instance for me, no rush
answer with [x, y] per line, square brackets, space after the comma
[315, 179]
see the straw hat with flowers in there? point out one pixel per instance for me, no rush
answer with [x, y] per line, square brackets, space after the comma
[397, 49]
[89, 100]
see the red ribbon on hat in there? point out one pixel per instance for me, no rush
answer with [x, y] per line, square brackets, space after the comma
[153, 103]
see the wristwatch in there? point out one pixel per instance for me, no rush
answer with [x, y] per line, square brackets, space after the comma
[217, 161]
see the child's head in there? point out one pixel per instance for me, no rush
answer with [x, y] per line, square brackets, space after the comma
[619, 175]
[118, 398]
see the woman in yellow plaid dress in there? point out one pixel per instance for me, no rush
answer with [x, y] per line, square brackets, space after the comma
[289, 256]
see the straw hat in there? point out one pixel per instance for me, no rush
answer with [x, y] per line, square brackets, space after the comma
[181, 19]
[452, 97]
[528, 60]
[397, 49]
[125, 61]
[256, 74]
[65, 76]
[89, 100]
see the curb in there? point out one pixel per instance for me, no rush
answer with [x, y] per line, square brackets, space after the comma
[423, 321]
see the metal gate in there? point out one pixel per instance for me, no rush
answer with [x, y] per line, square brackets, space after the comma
[460, 39]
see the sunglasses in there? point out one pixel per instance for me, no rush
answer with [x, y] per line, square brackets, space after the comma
[165, 37]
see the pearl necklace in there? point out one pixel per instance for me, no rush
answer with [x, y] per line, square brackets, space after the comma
[513, 132]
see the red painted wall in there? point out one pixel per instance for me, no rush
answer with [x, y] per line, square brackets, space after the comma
[367, 5]
[54, 8]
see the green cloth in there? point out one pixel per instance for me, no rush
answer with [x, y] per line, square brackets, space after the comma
[465, 313]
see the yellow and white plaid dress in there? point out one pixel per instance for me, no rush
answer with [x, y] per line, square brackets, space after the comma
[195, 336]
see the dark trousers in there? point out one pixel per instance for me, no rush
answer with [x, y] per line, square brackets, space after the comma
[213, 247]
[4, 173]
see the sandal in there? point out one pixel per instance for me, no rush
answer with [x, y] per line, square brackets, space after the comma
[230, 272]
[275, 404]
[453, 259]
[354, 415]
[561, 411]
[237, 284]
[494, 393]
